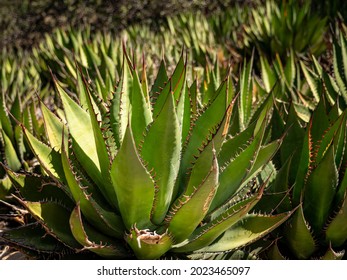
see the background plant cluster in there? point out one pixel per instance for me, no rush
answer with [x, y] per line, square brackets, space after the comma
[23, 23]
[248, 99]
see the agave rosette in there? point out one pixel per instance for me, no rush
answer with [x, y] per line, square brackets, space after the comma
[311, 177]
[152, 168]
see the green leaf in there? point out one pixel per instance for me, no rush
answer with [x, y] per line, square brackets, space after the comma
[190, 209]
[281, 185]
[92, 57]
[331, 88]
[6, 186]
[340, 194]
[141, 115]
[10, 154]
[184, 113]
[336, 232]
[163, 156]
[312, 80]
[33, 187]
[265, 154]
[102, 218]
[54, 128]
[49, 159]
[144, 82]
[221, 221]
[320, 191]
[303, 111]
[178, 77]
[332, 255]
[303, 166]
[5, 122]
[133, 185]
[230, 180]
[202, 164]
[292, 142]
[339, 63]
[317, 127]
[234, 145]
[88, 143]
[298, 236]
[33, 237]
[268, 76]
[16, 109]
[104, 183]
[246, 93]
[120, 104]
[330, 136]
[274, 253]
[55, 219]
[203, 129]
[174, 85]
[193, 92]
[160, 80]
[251, 228]
[93, 240]
[289, 71]
[81, 90]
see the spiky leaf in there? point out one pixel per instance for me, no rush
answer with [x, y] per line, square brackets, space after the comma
[163, 156]
[299, 237]
[55, 218]
[336, 232]
[320, 191]
[93, 240]
[133, 185]
[250, 228]
[98, 215]
[190, 209]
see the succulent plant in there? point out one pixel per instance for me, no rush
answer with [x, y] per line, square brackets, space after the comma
[311, 167]
[18, 81]
[155, 170]
[276, 29]
[311, 178]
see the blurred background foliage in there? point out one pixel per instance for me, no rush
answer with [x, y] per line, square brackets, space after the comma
[274, 28]
[24, 22]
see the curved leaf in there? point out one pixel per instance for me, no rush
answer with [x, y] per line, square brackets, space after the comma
[141, 115]
[92, 240]
[49, 158]
[88, 143]
[190, 209]
[105, 220]
[133, 185]
[249, 229]
[336, 232]
[298, 236]
[55, 218]
[221, 221]
[120, 104]
[54, 128]
[320, 191]
[11, 157]
[163, 156]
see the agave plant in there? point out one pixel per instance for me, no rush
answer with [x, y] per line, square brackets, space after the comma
[18, 81]
[312, 177]
[292, 83]
[276, 28]
[100, 55]
[317, 180]
[156, 171]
